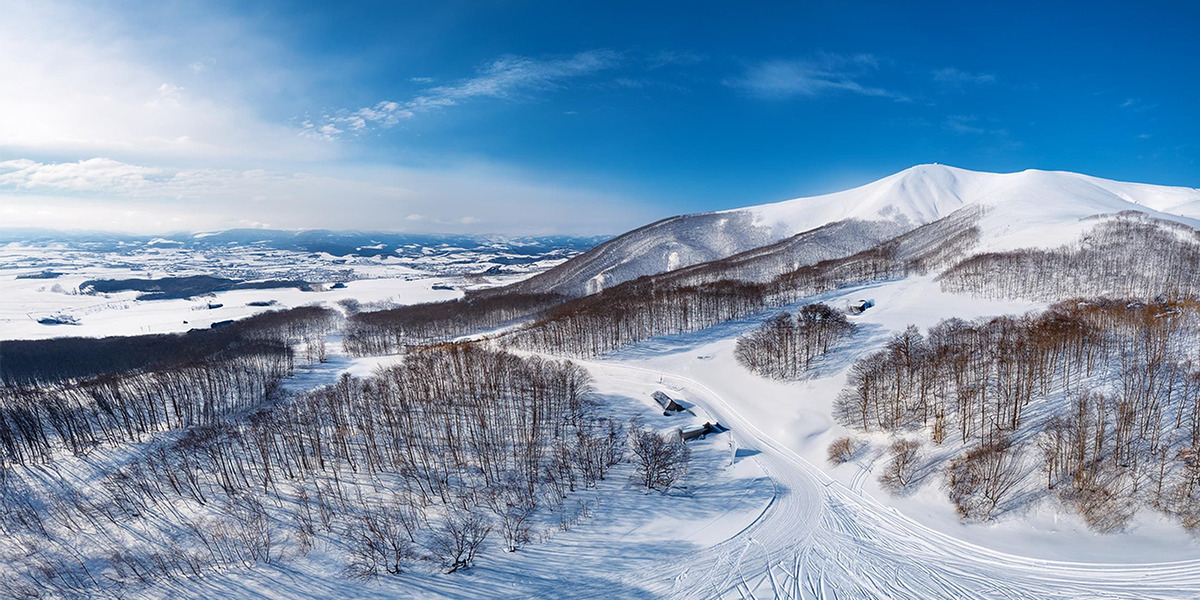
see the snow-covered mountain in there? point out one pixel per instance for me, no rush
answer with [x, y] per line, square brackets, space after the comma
[1019, 210]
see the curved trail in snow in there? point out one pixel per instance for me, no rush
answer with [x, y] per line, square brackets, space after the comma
[819, 539]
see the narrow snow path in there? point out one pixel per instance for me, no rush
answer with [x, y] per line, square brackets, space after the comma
[819, 539]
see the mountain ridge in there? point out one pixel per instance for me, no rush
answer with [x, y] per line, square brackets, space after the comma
[1030, 208]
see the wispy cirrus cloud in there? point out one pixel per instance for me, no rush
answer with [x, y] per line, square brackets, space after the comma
[824, 74]
[666, 58]
[1137, 105]
[507, 78]
[958, 79]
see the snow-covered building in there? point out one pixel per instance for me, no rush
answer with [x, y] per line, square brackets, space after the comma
[668, 404]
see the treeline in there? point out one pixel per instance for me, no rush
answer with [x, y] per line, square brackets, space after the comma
[648, 307]
[1130, 255]
[669, 303]
[786, 346]
[1106, 393]
[424, 462]
[390, 331]
[29, 363]
[636, 311]
[916, 252]
[164, 384]
[168, 288]
[761, 265]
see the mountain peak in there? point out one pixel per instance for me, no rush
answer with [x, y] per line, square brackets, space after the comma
[1031, 208]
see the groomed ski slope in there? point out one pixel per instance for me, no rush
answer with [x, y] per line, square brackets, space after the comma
[817, 538]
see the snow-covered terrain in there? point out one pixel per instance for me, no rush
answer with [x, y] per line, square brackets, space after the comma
[1025, 209]
[762, 513]
[41, 275]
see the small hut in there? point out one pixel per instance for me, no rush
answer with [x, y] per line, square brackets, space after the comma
[668, 404]
[696, 431]
[859, 306]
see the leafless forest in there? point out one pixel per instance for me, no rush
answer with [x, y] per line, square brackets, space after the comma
[657, 305]
[199, 464]
[786, 347]
[1129, 255]
[1102, 396]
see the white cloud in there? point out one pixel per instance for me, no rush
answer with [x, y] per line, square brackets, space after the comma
[1137, 105]
[96, 174]
[109, 194]
[510, 75]
[665, 58]
[508, 78]
[184, 129]
[963, 124]
[202, 65]
[957, 79]
[74, 83]
[824, 74]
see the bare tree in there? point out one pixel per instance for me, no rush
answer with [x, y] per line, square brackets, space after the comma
[458, 538]
[512, 508]
[786, 347]
[381, 540]
[903, 465]
[842, 450]
[661, 459]
[983, 477]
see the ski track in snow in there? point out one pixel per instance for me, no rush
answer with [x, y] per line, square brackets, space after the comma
[817, 538]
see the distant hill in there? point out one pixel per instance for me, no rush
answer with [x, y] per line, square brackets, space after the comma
[337, 243]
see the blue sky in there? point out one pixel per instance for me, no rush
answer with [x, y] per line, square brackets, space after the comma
[523, 117]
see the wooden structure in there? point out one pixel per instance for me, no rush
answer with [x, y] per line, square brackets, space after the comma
[858, 306]
[697, 431]
[668, 404]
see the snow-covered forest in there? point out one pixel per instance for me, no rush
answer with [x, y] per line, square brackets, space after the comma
[1011, 396]
[1096, 400]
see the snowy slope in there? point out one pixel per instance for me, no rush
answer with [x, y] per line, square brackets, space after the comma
[764, 515]
[662, 246]
[1025, 209]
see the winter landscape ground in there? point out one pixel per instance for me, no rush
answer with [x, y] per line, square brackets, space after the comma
[1013, 413]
